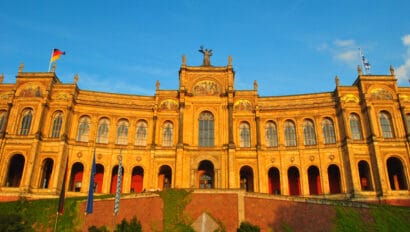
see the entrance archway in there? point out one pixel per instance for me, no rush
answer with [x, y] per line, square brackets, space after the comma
[397, 177]
[246, 178]
[294, 181]
[165, 177]
[114, 179]
[137, 179]
[274, 181]
[366, 183]
[206, 175]
[334, 179]
[15, 173]
[76, 177]
[98, 178]
[46, 171]
[314, 181]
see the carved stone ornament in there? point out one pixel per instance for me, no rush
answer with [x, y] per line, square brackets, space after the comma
[243, 105]
[311, 158]
[331, 157]
[350, 98]
[31, 90]
[380, 94]
[138, 158]
[79, 154]
[168, 105]
[206, 88]
[404, 98]
[99, 156]
[292, 159]
[272, 160]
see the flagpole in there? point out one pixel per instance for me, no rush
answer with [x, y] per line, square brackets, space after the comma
[118, 189]
[49, 64]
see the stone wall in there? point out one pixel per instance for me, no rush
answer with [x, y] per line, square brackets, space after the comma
[271, 213]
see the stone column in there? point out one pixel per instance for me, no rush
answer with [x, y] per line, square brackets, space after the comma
[6, 120]
[230, 125]
[181, 124]
[154, 130]
[258, 132]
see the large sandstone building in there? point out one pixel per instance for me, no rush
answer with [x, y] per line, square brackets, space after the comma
[352, 142]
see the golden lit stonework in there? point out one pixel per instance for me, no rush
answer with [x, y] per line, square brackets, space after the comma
[349, 143]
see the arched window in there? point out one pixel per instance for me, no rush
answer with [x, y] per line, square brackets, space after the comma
[333, 173]
[206, 175]
[141, 134]
[246, 178]
[26, 118]
[206, 129]
[164, 177]
[328, 131]
[309, 132]
[290, 134]
[83, 129]
[2, 118]
[294, 181]
[46, 171]
[355, 127]
[122, 132]
[274, 180]
[56, 125]
[397, 174]
[15, 171]
[244, 135]
[315, 187]
[386, 125]
[365, 176]
[76, 178]
[167, 134]
[271, 134]
[103, 129]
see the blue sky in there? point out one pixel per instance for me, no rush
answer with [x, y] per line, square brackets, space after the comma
[289, 47]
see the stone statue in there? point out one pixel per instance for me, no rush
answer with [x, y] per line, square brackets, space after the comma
[76, 78]
[183, 60]
[337, 81]
[21, 67]
[207, 56]
[391, 70]
[255, 85]
[157, 84]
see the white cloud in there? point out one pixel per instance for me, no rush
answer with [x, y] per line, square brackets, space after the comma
[347, 56]
[344, 43]
[343, 51]
[403, 71]
[406, 40]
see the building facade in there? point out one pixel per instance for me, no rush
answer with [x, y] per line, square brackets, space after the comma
[352, 142]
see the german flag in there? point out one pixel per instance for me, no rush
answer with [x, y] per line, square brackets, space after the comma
[56, 55]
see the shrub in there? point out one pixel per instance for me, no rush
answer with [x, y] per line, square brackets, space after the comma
[248, 227]
[133, 226]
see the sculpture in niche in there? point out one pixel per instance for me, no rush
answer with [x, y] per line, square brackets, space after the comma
[380, 94]
[243, 105]
[206, 88]
[168, 105]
